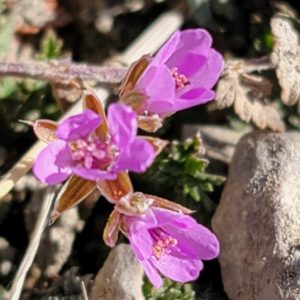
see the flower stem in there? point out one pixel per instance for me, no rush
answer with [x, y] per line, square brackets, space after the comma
[66, 71]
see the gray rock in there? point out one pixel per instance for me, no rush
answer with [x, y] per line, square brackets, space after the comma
[120, 278]
[258, 219]
[57, 241]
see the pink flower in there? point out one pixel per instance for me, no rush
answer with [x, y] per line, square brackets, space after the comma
[181, 75]
[164, 241]
[79, 149]
[170, 243]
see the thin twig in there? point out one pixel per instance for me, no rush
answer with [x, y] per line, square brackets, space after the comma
[55, 71]
[16, 289]
[22, 167]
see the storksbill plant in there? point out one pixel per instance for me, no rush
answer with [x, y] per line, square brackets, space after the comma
[95, 151]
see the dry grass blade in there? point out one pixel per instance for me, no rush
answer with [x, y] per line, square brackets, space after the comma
[286, 58]
[247, 94]
[84, 292]
[23, 166]
[15, 291]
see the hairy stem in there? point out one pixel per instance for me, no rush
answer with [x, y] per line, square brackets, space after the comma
[66, 71]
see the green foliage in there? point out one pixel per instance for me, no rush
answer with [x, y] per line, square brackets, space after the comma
[7, 87]
[1, 6]
[6, 32]
[264, 42]
[169, 291]
[178, 173]
[50, 47]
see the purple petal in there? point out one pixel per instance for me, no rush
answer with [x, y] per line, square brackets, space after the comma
[178, 269]
[191, 40]
[142, 242]
[191, 51]
[93, 174]
[196, 241]
[160, 107]
[143, 248]
[193, 239]
[137, 157]
[78, 126]
[152, 273]
[51, 166]
[158, 82]
[122, 121]
[158, 85]
[141, 222]
[191, 92]
[165, 52]
[188, 63]
[195, 40]
[193, 97]
[210, 72]
[165, 216]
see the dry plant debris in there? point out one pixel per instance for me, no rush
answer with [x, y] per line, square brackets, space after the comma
[286, 58]
[247, 93]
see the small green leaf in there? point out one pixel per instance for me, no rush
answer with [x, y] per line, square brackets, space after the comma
[7, 87]
[6, 35]
[51, 47]
[169, 291]
[178, 173]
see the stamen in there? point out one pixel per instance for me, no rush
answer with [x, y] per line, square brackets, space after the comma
[88, 161]
[164, 245]
[180, 79]
[93, 153]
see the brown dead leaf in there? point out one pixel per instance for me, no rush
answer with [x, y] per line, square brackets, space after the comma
[247, 94]
[286, 58]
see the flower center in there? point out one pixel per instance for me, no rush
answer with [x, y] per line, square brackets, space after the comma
[180, 79]
[92, 153]
[163, 245]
